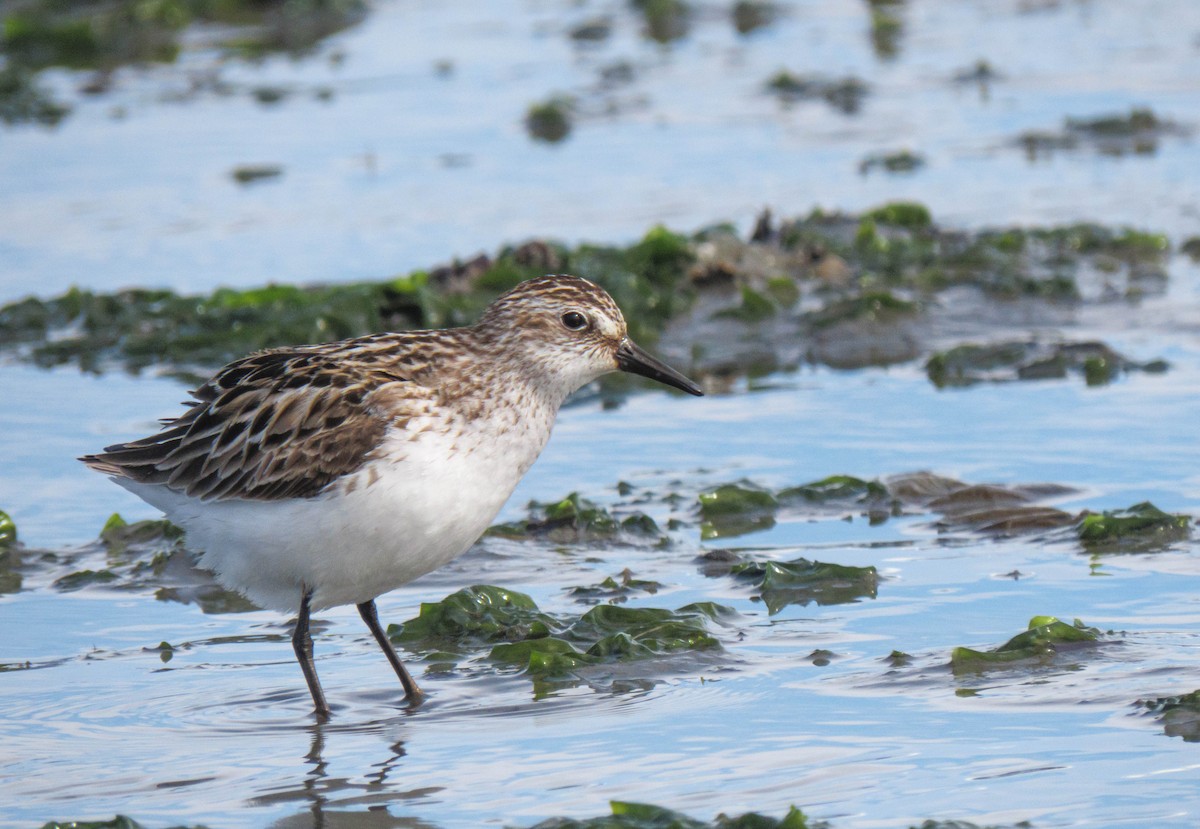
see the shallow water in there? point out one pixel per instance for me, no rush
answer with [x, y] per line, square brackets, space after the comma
[221, 734]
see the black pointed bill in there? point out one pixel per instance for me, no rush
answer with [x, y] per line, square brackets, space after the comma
[631, 358]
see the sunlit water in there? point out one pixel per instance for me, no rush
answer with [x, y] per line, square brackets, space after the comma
[221, 734]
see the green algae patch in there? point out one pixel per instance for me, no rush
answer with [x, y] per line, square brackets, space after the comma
[969, 364]
[627, 815]
[615, 588]
[8, 531]
[107, 34]
[1045, 637]
[836, 488]
[843, 94]
[550, 120]
[190, 335]
[554, 649]
[664, 20]
[1137, 528]
[901, 161]
[1179, 715]
[609, 633]
[578, 519]
[879, 307]
[1137, 132]
[800, 581]
[736, 509]
[752, 15]
[25, 101]
[479, 614]
[911, 215]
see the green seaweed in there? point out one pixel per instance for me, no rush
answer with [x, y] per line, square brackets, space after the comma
[23, 100]
[887, 28]
[800, 581]
[615, 589]
[8, 531]
[1179, 715]
[646, 816]
[844, 94]
[545, 647]
[550, 120]
[911, 215]
[479, 614]
[877, 307]
[736, 509]
[969, 364]
[575, 518]
[752, 15]
[836, 488]
[754, 307]
[1044, 638]
[665, 20]
[901, 161]
[106, 34]
[1133, 529]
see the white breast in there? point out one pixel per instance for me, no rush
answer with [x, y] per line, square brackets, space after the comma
[423, 502]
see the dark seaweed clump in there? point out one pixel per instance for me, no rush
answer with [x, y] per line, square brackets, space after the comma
[555, 650]
[105, 35]
[646, 816]
[845, 291]
[1045, 638]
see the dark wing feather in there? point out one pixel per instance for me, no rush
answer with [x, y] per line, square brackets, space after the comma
[279, 424]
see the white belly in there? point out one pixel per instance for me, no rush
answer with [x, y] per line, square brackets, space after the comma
[402, 519]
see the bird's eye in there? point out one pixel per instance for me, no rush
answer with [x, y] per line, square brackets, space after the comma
[574, 320]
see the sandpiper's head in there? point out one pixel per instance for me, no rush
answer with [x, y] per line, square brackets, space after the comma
[571, 331]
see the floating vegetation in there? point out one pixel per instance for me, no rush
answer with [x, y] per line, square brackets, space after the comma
[550, 120]
[1135, 529]
[10, 575]
[981, 73]
[665, 20]
[547, 647]
[23, 100]
[1179, 715]
[110, 33]
[736, 509]
[845, 95]
[902, 161]
[575, 519]
[8, 531]
[1136, 133]
[830, 288]
[250, 173]
[752, 15]
[646, 816]
[591, 31]
[614, 589]
[1045, 637]
[800, 581]
[1095, 362]
[887, 27]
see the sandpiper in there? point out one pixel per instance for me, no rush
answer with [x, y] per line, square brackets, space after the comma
[321, 475]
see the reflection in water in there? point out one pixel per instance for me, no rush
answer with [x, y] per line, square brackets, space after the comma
[322, 791]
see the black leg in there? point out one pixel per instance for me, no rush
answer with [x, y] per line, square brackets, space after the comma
[371, 617]
[303, 645]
